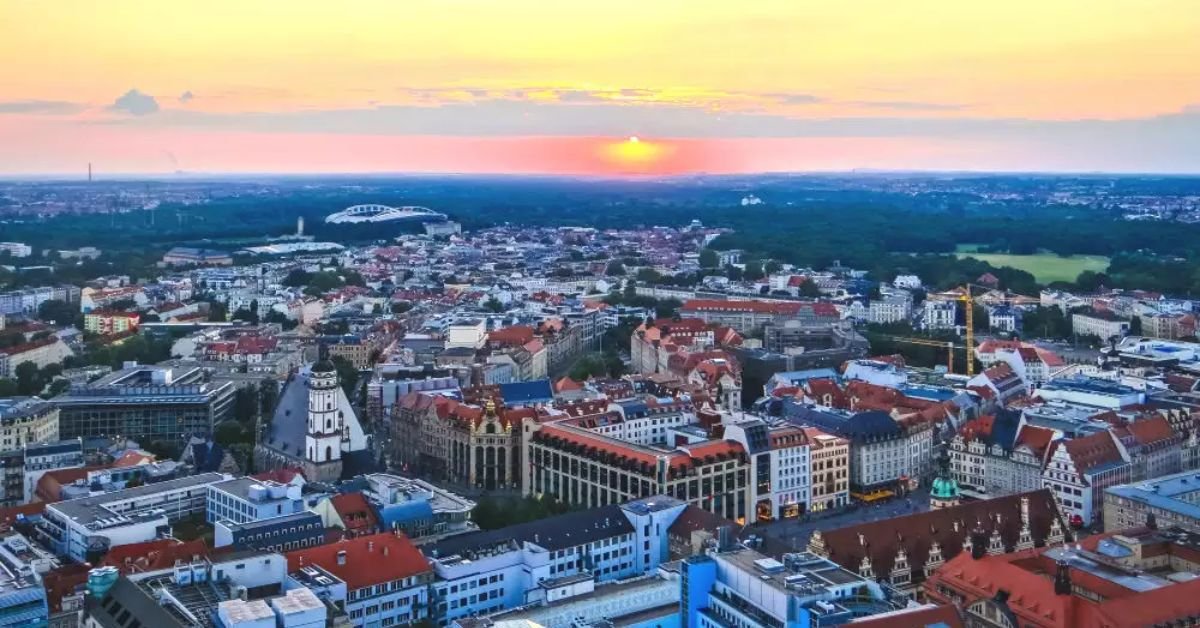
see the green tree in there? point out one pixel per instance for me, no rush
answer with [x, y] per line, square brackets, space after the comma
[347, 375]
[810, 289]
[28, 381]
[1135, 326]
[709, 258]
[493, 305]
[615, 269]
[772, 267]
[297, 278]
[217, 312]
[58, 312]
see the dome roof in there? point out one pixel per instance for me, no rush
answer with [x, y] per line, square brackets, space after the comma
[324, 366]
[944, 488]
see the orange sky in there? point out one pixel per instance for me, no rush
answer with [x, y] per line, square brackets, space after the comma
[539, 86]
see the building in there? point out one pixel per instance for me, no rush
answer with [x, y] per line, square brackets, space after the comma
[417, 508]
[1079, 469]
[904, 551]
[748, 316]
[937, 314]
[732, 585]
[27, 421]
[1090, 391]
[382, 579]
[243, 500]
[995, 455]
[1102, 324]
[358, 352]
[48, 456]
[28, 300]
[1135, 578]
[81, 529]
[550, 560]
[829, 465]
[274, 534]
[467, 334]
[41, 353]
[1004, 319]
[886, 455]
[890, 308]
[314, 428]
[16, 249]
[110, 323]
[475, 445]
[1170, 501]
[189, 256]
[582, 467]
[779, 468]
[150, 403]
[22, 596]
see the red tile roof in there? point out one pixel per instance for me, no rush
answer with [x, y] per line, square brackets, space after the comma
[1152, 430]
[357, 514]
[153, 555]
[1093, 450]
[368, 560]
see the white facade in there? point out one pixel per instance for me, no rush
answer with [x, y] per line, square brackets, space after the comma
[326, 421]
[890, 309]
[470, 334]
[939, 314]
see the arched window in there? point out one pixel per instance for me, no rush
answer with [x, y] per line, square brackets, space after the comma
[328, 453]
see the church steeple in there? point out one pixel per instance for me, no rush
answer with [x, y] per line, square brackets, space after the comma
[944, 492]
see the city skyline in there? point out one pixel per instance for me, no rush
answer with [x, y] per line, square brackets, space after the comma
[534, 88]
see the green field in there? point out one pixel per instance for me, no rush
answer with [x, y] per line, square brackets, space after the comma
[1045, 267]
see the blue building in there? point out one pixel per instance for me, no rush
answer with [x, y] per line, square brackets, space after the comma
[242, 500]
[549, 560]
[22, 597]
[737, 586]
[275, 534]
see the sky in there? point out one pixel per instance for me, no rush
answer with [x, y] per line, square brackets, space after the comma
[562, 86]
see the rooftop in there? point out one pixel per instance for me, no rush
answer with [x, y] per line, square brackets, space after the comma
[94, 513]
[1178, 493]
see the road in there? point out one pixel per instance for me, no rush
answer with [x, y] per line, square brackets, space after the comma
[795, 532]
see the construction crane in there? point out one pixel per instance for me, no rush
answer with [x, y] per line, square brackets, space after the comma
[968, 301]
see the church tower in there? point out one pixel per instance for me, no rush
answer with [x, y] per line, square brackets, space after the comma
[944, 492]
[323, 440]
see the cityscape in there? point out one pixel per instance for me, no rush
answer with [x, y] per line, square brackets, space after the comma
[633, 316]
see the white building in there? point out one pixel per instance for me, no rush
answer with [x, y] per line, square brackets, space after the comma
[16, 249]
[907, 282]
[1099, 323]
[82, 528]
[890, 309]
[549, 560]
[779, 468]
[469, 334]
[939, 314]
[242, 500]
[876, 372]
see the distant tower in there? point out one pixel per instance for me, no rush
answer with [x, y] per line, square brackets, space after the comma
[89, 172]
[323, 440]
[300, 226]
[944, 492]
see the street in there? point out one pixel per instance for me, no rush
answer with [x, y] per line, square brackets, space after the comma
[795, 532]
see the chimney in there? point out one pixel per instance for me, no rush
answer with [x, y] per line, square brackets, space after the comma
[1062, 579]
[978, 543]
[341, 557]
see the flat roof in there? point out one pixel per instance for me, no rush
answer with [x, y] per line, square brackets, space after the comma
[86, 510]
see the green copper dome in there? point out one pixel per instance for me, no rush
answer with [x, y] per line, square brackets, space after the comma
[944, 488]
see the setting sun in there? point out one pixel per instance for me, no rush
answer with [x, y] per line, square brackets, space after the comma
[637, 155]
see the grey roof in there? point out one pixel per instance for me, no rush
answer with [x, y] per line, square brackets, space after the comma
[89, 509]
[127, 596]
[554, 533]
[306, 516]
[240, 488]
[15, 408]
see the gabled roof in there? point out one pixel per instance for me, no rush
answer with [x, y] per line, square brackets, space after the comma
[356, 513]
[368, 560]
[1093, 451]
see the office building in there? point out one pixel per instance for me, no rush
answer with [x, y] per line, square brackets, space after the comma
[732, 585]
[417, 508]
[50, 456]
[150, 403]
[22, 596]
[274, 534]
[242, 500]
[82, 529]
[550, 560]
[1172, 500]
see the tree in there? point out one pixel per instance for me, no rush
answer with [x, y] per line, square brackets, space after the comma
[347, 375]
[615, 269]
[28, 382]
[297, 278]
[243, 314]
[754, 270]
[493, 305]
[1090, 280]
[58, 312]
[230, 432]
[217, 312]
[709, 258]
[1135, 326]
[772, 267]
[245, 405]
[809, 288]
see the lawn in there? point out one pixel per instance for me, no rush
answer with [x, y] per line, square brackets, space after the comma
[1045, 267]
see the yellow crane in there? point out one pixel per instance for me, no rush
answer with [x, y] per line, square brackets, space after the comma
[968, 301]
